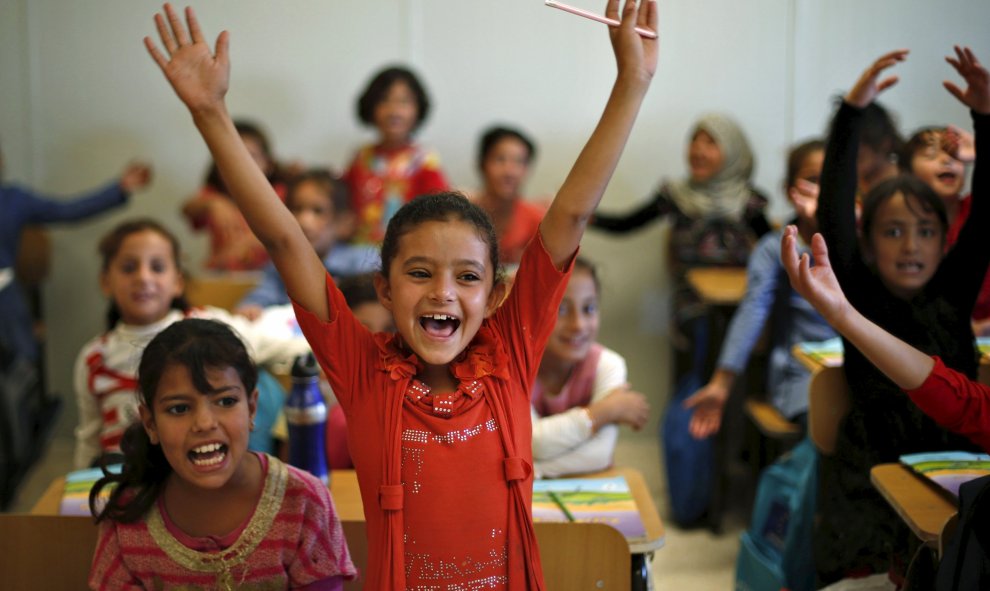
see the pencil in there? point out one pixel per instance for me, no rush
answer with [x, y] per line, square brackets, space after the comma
[559, 503]
[595, 17]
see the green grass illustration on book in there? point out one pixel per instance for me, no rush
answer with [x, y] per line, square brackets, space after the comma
[949, 469]
[588, 500]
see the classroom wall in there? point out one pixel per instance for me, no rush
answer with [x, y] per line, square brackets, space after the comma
[79, 97]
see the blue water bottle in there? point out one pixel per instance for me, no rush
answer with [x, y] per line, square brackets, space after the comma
[306, 414]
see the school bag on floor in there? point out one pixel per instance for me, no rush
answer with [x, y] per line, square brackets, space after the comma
[776, 551]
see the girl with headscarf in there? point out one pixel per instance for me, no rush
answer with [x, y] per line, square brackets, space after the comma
[716, 214]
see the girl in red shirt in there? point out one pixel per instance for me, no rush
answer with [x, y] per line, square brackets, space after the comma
[438, 413]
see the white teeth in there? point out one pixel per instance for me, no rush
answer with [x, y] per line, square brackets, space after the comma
[209, 447]
[439, 317]
[212, 461]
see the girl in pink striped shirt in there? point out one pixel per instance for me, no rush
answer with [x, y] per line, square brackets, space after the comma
[193, 508]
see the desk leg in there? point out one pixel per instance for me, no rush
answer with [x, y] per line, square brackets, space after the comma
[641, 578]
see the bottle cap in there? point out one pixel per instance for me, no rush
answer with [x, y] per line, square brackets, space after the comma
[305, 366]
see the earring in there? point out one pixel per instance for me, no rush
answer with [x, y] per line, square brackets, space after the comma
[252, 424]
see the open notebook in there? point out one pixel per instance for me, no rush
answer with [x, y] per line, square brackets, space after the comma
[949, 469]
[588, 500]
[75, 498]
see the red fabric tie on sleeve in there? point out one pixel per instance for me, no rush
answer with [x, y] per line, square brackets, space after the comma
[516, 469]
[390, 497]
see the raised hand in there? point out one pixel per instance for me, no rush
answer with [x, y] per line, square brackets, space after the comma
[135, 177]
[959, 143]
[869, 85]
[804, 196]
[977, 93]
[197, 75]
[817, 283]
[634, 54]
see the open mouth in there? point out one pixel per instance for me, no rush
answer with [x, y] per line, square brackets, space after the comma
[909, 267]
[209, 454]
[947, 177]
[439, 325]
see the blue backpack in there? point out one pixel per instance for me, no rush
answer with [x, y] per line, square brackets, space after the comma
[776, 551]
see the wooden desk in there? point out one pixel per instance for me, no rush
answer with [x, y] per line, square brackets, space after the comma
[223, 290]
[721, 286]
[813, 364]
[921, 504]
[574, 555]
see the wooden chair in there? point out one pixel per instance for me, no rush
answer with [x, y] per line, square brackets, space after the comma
[775, 433]
[220, 290]
[828, 403]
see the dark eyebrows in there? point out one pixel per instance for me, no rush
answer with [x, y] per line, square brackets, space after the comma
[421, 260]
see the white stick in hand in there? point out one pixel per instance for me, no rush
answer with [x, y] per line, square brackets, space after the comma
[596, 17]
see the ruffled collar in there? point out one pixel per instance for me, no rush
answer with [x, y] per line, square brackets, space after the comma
[485, 356]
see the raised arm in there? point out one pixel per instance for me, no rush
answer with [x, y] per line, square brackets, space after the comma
[565, 221]
[200, 78]
[903, 364]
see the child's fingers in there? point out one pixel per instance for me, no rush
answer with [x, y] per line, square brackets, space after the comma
[820, 250]
[166, 36]
[177, 27]
[612, 9]
[193, 23]
[155, 54]
[887, 83]
[628, 14]
[223, 47]
[954, 90]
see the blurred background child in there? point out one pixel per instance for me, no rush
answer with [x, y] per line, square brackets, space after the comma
[580, 396]
[233, 247]
[21, 206]
[142, 278]
[504, 157]
[394, 169]
[321, 204]
[770, 298]
[938, 156]
[716, 215]
[191, 490]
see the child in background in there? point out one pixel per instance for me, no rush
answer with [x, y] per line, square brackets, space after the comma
[394, 169]
[21, 207]
[580, 396]
[938, 157]
[143, 280]
[716, 214]
[438, 413]
[361, 297]
[770, 298]
[321, 205]
[954, 401]
[232, 245]
[504, 156]
[900, 277]
[192, 507]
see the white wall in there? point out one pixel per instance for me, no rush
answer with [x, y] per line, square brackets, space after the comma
[79, 97]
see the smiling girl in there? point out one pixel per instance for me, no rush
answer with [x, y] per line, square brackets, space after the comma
[438, 414]
[192, 507]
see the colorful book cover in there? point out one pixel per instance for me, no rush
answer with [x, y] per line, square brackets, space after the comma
[983, 344]
[829, 353]
[75, 499]
[588, 500]
[949, 469]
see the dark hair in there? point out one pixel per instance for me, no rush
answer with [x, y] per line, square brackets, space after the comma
[917, 195]
[379, 86]
[878, 131]
[197, 345]
[493, 135]
[439, 207]
[331, 186]
[592, 269]
[796, 157]
[245, 129]
[918, 141]
[110, 245]
[358, 289]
